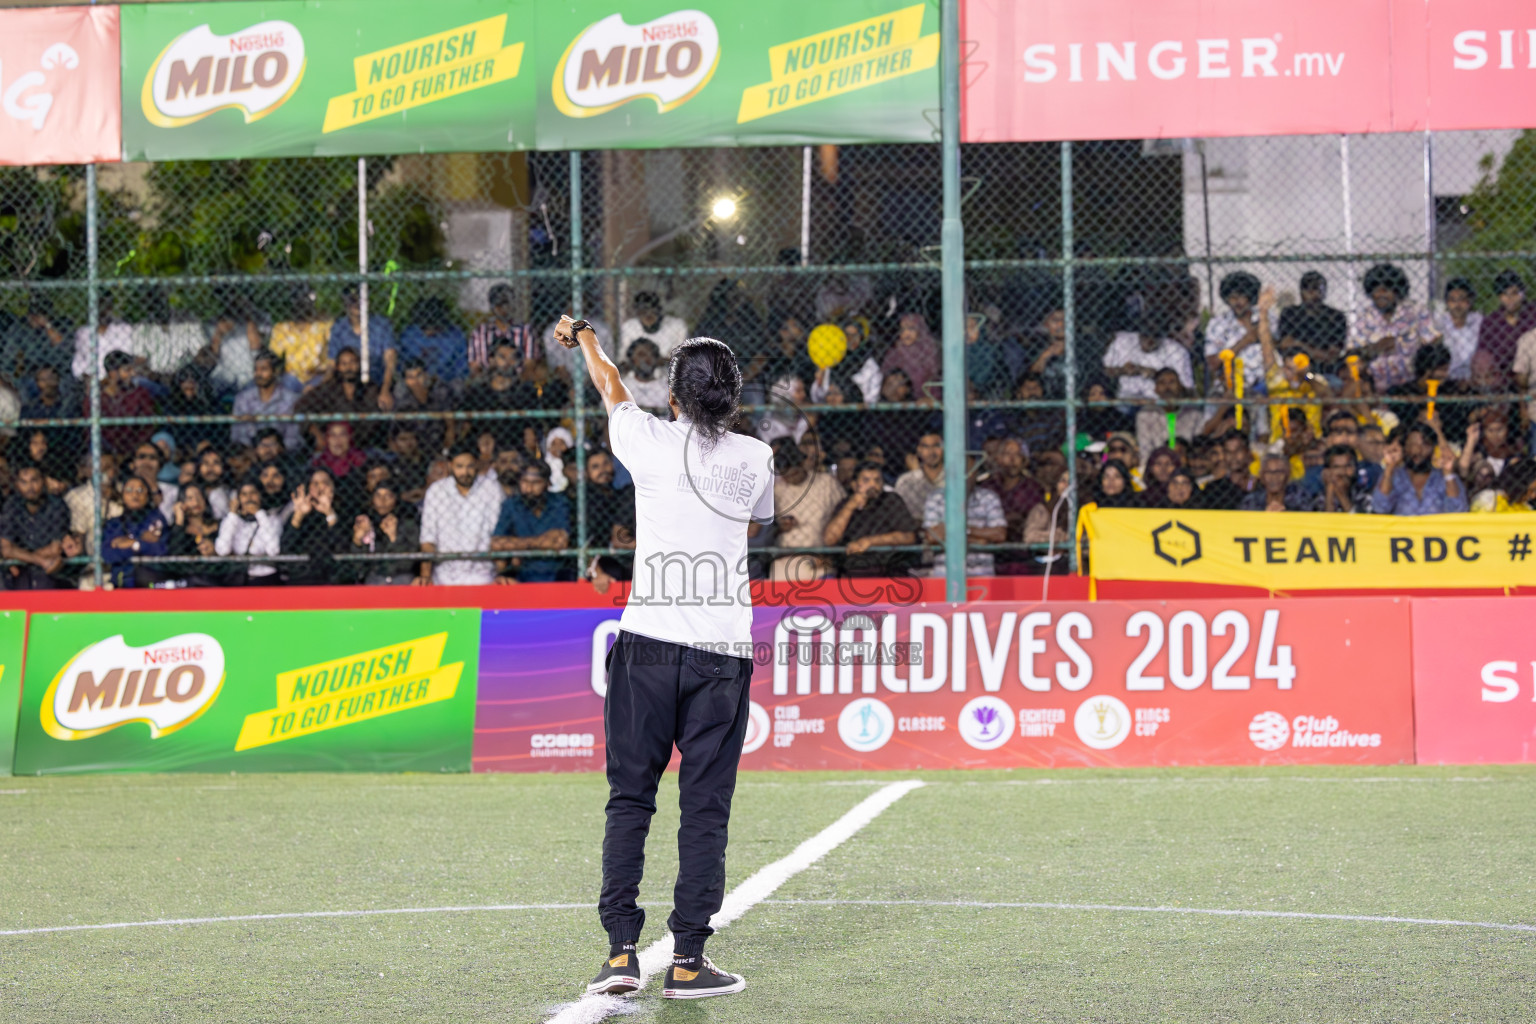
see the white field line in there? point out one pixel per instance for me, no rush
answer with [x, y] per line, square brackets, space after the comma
[1125, 909]
[1240, 780]
[173, 922]
[974, 904]
[758, 887]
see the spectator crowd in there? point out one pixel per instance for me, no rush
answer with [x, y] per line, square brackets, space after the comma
[459, 439]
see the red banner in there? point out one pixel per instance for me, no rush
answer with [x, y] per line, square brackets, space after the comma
[60, 86]
[1481, 64]
[999, 685]
[1085, 69]
[1474, 680]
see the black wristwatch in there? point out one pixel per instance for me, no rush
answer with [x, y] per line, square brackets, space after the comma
[577, 326]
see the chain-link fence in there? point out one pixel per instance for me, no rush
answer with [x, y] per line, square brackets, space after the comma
[284, 356]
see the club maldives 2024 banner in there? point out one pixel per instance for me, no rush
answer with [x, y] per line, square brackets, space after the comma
[995, 685]
[885, 683]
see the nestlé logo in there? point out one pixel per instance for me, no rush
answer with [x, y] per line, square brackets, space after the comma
[254, 70]
[610, 63]
[165, 685]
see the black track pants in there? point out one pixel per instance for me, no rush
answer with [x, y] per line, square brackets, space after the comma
[662, 693]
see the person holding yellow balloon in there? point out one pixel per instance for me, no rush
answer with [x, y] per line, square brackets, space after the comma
[837, 351]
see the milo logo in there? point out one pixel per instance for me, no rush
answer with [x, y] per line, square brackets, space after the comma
[165, 685]
[254, 70]
[610, 63]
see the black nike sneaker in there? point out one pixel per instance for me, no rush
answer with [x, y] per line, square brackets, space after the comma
[695, 977]
[620, 974]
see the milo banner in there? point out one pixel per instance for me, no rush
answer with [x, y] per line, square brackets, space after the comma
[1323, 681]
[13, 637]
[1301, 551]
[229, 691]
[335, 77]
[651, 74]
[326, 77]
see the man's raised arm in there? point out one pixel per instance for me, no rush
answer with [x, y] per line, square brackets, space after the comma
[605, 375]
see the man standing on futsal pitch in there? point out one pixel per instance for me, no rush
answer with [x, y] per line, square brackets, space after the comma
[680, 668]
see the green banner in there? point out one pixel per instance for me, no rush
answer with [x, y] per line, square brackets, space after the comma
[325, 77]
[336, 77]
[13, 639]
[228, 691]
[791, 73]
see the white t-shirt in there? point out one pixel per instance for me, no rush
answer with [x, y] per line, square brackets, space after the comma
[1462, 341]
[691, 514]
[1126, 348]
[649, 394]
[1225, 331]
[669, 333]
[115, 338]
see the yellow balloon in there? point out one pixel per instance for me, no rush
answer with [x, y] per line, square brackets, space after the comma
[827, 345]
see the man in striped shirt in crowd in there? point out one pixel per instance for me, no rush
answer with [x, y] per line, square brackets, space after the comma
[482, 341]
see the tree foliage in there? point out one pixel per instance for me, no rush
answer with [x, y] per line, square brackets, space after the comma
[1502, 217]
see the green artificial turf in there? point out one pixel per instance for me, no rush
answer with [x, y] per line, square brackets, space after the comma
[1405, 842]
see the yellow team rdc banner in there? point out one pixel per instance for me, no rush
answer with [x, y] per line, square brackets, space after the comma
[1311, 551]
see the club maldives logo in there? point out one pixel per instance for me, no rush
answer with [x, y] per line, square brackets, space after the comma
[1269, 730]
[866, 724]
[1102, 722]
[165, 685]
[986, 723]
[610, 63]
[758, 728]
[254, 70]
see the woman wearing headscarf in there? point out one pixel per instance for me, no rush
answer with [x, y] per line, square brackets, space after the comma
[1161, 465]
[915, 353]
[194, 534]
[170, 466]
[556, 443]
[344, 463]
[1180, 491]
[316, 529]
[386, 527]
[1112, 489]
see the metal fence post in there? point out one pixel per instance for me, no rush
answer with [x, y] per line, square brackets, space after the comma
[578, 371]
[805, 207]
[1349, 223]
[1430, 219]
[362, 259]
[1069, 317]
[952, 259]
[93, 304]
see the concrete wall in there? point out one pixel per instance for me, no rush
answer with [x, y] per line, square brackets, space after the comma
[1284, 195]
